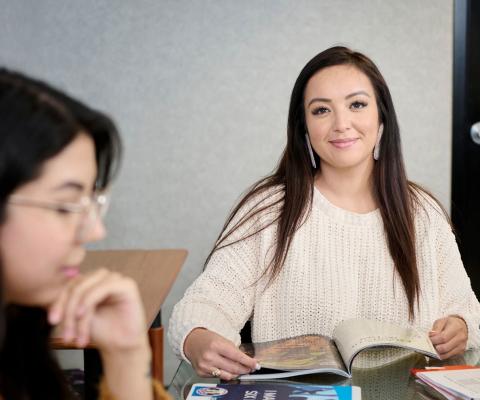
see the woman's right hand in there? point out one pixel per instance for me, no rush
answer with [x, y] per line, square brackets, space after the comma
[209, 352]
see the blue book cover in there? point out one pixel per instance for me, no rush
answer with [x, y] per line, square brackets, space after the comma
[272, 391]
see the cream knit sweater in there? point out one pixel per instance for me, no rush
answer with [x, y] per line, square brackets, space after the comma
[338, 267]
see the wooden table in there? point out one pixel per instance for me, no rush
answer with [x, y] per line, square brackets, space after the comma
[155, 272]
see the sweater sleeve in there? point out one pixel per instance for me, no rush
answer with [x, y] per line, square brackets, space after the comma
[456, 294]
[222, 298]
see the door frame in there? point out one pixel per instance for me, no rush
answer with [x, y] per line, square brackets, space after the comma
[466, 63]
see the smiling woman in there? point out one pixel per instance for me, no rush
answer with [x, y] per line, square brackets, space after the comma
[336, 232]
[57, 157]
[343, 127]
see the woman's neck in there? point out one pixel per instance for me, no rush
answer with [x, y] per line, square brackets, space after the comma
[348, 188]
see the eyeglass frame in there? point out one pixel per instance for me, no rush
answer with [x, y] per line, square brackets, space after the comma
[93, 207]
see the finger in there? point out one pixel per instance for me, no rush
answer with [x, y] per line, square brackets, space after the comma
[56, 309]
[93, 298]
[75, 294]
[438, 326]
[116, 287]
[443, 337]
[232, 367]
[83, 328]
[457, 341]
[120, 294]
[455, 351]
[208, 372]
[81, 292]
[437, 334]
[460, 339]
[454, 327]
[233, 353]
[212, 359]
[226, 376]
[444, 348]
[71, 310]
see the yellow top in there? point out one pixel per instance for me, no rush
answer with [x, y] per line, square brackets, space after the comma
[158, 390]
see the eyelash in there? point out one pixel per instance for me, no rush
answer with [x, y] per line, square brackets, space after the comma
[355, 106]
[358, 105]
[319, 111]
[62, 211]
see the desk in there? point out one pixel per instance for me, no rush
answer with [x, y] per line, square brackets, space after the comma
[155, 272]
[388, 382]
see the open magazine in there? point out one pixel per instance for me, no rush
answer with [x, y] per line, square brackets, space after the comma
[311, 354]
[272, 391]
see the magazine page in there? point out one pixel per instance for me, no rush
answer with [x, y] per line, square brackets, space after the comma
[355, 335]
[464, 383]
[272, 391]
[300, 354]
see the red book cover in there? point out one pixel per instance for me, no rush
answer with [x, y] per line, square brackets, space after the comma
[414, 371]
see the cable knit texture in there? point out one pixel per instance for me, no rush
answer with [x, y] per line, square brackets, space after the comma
[338, 267]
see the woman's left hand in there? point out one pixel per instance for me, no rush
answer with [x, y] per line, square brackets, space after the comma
[449, 336]
[102, 307]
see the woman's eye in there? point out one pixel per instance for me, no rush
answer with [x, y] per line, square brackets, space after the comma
[320, 110]
[63, 210]
[357, 105]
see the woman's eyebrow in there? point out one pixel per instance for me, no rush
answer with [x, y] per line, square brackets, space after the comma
[320, 99]
[325, 100]
[77, 186]
[357, 93]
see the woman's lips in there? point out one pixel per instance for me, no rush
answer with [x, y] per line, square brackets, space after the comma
[71, 272]
[343, 143]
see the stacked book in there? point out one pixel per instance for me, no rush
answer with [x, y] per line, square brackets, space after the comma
[453, 382]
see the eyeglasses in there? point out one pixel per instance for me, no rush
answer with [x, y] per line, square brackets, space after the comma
[91, 208]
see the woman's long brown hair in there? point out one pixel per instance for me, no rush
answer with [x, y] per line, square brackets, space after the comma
[293, 180]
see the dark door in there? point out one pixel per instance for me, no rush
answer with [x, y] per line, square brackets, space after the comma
[466, 136]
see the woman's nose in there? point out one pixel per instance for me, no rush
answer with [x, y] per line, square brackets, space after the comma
[341, 121]
[96, 232]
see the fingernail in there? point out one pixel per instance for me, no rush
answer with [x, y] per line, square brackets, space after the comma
[54, 317]
[432, 332]
[258, 366]
[80, 311]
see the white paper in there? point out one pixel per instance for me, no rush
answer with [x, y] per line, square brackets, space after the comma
[463, 382]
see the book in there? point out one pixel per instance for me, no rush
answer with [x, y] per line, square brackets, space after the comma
[425, 392]
[311, 354]
[272, 391]
[453, 382]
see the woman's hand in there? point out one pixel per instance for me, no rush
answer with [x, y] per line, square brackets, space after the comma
[103, 308]
[213, 355]
[449, 336]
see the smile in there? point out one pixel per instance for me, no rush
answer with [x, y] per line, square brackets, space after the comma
[343, 143]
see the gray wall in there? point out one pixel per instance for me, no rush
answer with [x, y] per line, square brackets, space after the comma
[200, 90]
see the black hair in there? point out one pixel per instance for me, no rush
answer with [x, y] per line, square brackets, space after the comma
[37, 122]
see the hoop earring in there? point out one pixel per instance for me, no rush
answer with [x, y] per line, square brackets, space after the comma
[376, 149]
[310, 150]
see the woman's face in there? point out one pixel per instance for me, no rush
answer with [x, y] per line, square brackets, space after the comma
[342, 116]
[40, 247]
